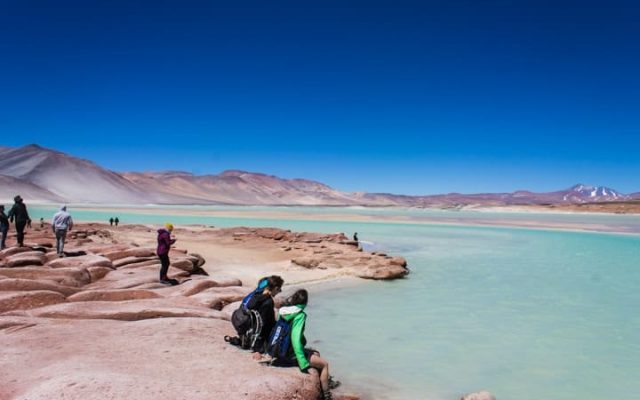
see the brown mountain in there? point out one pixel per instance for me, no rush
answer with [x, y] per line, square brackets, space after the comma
[45, 175]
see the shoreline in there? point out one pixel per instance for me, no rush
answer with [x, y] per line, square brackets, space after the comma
[444, 217]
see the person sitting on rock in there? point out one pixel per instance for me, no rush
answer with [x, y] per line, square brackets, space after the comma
[262, 302]
[255, 318]
[60, 223]
[164, 245]
[292, 312]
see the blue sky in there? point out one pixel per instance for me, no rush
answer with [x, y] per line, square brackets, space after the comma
[413, 97]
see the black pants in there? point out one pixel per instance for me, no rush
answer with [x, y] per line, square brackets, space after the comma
[20, 232]
[164, 262]
[4, 229]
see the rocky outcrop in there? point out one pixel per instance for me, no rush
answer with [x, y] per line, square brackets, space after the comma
[326, 251]
[98, 324]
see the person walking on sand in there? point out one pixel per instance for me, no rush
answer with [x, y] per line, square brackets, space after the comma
[164, 245]
[116, 221]
[60, 223]
[292, 312]
[111, 221]
[20, 215]
[4, 227]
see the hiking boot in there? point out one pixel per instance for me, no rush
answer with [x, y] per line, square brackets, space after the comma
[333, 383]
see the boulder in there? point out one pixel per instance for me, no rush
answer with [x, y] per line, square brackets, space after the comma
[113, 295]
[131, 310]
[10, 301]
[13, 284]
[75, 277]
[25, 259]
[130, 252]
[89, 260]
[13, 250]
[132, 260]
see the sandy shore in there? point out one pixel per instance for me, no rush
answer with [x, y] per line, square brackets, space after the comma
[248, 260]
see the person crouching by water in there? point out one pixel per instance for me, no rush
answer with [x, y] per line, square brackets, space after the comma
[60, 223]
[20, 214]
[164, 245]
[256, 317]
[292, 313]
[4, 227]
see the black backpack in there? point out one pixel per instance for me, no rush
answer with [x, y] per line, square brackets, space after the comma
[248, 323]
[279, 345]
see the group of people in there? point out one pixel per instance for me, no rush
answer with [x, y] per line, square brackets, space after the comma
[256, 324]
[19, 215]
[255, 320]
[114, 221]
[283, 338]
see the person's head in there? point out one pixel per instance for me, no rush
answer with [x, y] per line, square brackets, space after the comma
[169, 226]
[299, 298]
[273, 284]
[17, 199]
[63, 208]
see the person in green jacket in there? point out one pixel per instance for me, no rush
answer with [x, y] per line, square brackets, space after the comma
[293, 311]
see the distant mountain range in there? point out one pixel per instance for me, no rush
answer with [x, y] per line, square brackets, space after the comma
[48, 176]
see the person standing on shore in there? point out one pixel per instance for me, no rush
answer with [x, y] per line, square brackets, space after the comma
[20, 215]
[116, 221]
[60, 223]
[164, 245]
[111, 221]
[4, 227]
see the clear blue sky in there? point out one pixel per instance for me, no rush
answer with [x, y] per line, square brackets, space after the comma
[414, 97]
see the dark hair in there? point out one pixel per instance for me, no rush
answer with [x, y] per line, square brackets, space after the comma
[275, 281]
[300, 297]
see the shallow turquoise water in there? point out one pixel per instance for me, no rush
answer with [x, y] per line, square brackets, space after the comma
[525, 314]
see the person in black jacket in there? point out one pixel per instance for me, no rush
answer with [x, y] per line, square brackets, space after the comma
[4, 227]
[262, 302]
[21, 216]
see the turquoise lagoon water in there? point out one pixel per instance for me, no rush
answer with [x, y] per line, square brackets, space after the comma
[525, 314]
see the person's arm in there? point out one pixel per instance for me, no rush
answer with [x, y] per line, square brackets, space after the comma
[27, 214]
[70, 222]
[12, 213]
[297, 330]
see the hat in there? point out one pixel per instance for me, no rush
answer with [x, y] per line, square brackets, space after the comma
[169, 226]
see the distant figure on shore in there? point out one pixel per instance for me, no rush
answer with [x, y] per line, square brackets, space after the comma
[41, 222]
[355, 237]
[292, 322]
[255, 317]
[164, 245]
[60, 224]
[20, 215]
[116, 221]
[4, 227]
[111, 221]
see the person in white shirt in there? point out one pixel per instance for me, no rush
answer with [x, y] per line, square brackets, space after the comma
[61, 223]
